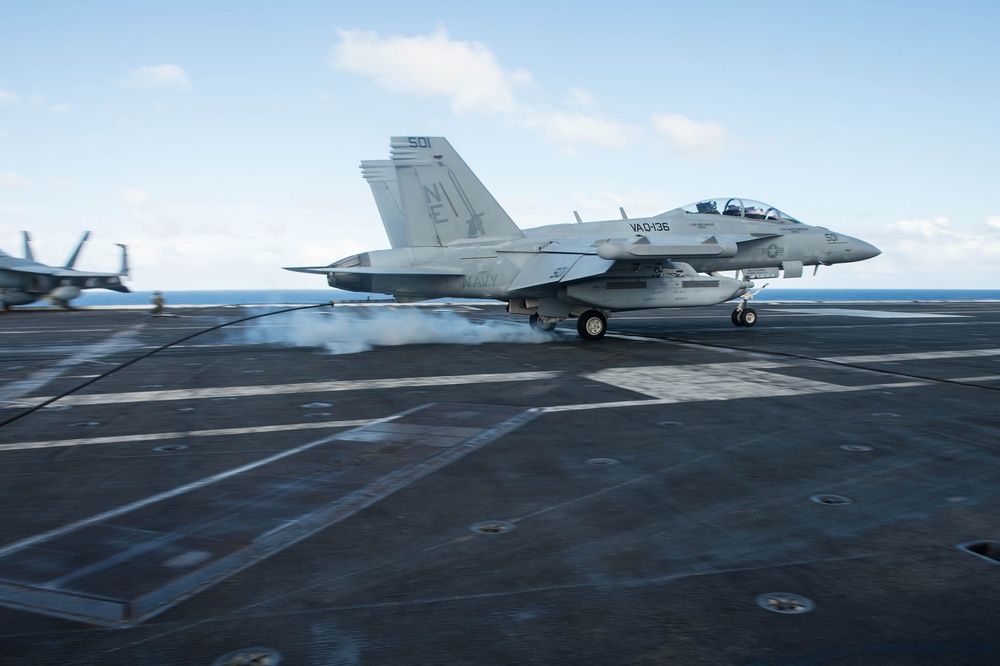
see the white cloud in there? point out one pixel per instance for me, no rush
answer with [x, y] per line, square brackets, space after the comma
[603, 205]
[579, 128]
[157, 77]
[895, 269]
[12, 180]
[150, 215]
[467, 73]
[60, 109]
[8, 98]
[915, 242]
[690, 136]
[937, 227]
[470, 77]
[581, 98]
[993, 221]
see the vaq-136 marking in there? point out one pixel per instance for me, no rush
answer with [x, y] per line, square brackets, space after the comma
[450, 238]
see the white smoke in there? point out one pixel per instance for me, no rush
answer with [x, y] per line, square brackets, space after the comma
[350, 330]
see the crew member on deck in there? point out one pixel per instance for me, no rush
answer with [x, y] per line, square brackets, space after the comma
[158, 302]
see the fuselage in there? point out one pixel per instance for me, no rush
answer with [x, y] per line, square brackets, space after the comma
[23, 281]
[451, 238]
[657, 247]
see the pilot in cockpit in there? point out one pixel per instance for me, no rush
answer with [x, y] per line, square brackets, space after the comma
[733, 209]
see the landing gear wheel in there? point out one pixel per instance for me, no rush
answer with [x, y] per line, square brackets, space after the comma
[592, 325]
[541, 324]
[736, 317]
[749, 317]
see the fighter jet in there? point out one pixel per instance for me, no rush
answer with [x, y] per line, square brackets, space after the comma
[24, 281]
[450, 238]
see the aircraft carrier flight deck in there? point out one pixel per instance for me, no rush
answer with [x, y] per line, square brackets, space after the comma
[206, 488]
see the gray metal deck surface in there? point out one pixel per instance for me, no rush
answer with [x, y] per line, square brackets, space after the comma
[656, 496]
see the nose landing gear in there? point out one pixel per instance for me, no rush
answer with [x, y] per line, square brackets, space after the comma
[744, 315]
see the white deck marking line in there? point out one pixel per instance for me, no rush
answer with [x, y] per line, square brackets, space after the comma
[914, 356]
[833, 388]
[636, 338]
[284, 389]
[713, 381]
[709, 381]
[871, 314]
[663, 384]
[120, 341]
[160, 436]
[23, 543]
[984, 378]
[56, 329]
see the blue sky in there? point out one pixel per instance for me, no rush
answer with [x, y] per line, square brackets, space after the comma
[221, 140]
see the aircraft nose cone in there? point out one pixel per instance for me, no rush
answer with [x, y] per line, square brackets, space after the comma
[862, 250]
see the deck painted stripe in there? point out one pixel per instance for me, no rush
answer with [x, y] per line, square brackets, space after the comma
[285, 389]
[55, 329]
[915, 356]
[23, 543]
[673, 401]
[182, 434]
[871, 314]
[121, 341]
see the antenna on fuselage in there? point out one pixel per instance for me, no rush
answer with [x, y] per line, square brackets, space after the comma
[622, 210]
[577, 216]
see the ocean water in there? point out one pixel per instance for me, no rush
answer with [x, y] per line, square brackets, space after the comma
[310, 296]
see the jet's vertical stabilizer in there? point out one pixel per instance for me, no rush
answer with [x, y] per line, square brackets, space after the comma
[123, 272]
[442, 201]
[28, 254]
[381, 176]
[76, 252]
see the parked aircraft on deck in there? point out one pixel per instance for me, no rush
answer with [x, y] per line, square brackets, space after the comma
[450, 238]
[24, 281]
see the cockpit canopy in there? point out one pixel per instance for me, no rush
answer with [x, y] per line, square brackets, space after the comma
[744, 208]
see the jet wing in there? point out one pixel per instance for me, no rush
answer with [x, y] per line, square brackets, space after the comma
[72, 273]
[549, 268]
[35, 269]
[565, 262]
[41, 269]
[395, 271]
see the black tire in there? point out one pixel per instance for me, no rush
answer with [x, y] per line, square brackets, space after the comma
[749, 317]
[736, 318]
[592, 325]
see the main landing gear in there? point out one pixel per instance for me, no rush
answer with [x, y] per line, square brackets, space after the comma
[592, 325]
[543, 324]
